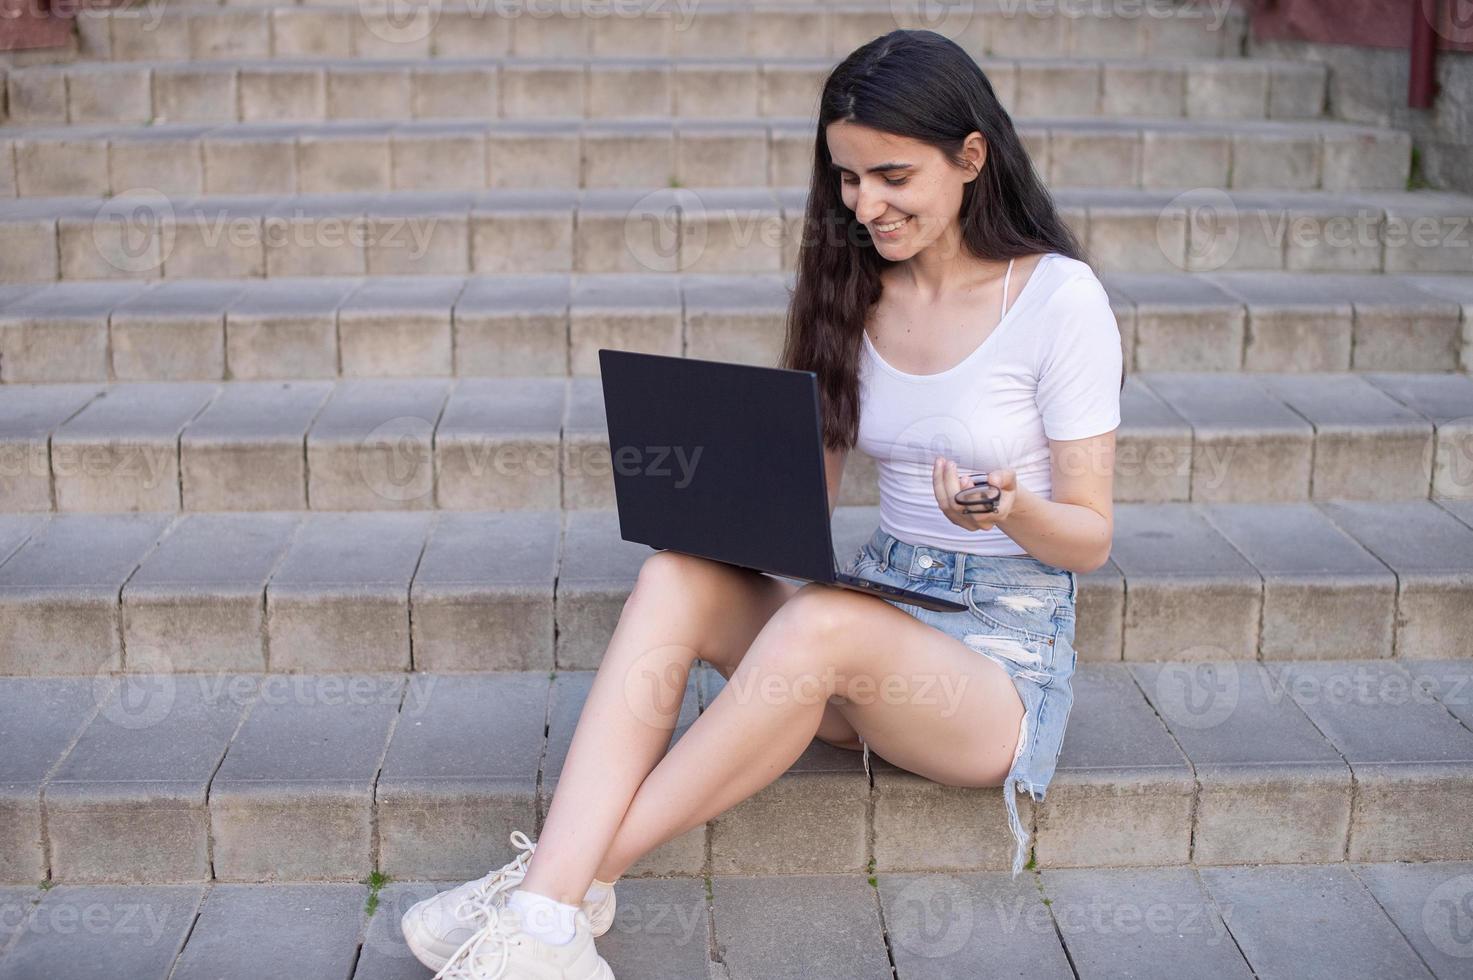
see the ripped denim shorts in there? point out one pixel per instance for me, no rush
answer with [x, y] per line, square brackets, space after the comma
[1020, 614]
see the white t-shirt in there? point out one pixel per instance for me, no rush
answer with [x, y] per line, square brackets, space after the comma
[1049, 370]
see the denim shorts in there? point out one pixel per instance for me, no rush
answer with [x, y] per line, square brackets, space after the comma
[1020, 614]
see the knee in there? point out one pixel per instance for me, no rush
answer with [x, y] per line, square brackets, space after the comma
[665, 575]
[816, 615]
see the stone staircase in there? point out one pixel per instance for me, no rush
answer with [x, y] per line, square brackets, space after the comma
[307, 548]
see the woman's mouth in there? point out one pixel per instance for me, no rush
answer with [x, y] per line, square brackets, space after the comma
[893, 228]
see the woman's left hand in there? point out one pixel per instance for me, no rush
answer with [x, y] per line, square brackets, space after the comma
[948, 482]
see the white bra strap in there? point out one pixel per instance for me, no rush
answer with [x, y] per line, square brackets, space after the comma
[1006, 279]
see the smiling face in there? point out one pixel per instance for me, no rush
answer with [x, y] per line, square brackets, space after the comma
[886, 179]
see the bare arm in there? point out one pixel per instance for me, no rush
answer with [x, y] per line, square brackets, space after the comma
[1075, 529]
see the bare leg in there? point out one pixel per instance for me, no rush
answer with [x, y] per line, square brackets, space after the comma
[681, 607]
[816, 646]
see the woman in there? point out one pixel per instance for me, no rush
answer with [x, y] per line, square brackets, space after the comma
[955, 332]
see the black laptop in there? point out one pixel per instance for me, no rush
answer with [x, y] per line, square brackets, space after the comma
[725, 461]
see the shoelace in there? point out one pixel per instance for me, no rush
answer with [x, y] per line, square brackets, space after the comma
[479, 903]
[496, 936]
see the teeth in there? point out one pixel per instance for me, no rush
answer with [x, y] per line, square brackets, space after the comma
[892, 227]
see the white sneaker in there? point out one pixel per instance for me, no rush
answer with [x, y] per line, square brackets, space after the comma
[503, 950]
[437, 926]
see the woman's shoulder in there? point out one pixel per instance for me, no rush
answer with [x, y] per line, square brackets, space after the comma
[1069, 281]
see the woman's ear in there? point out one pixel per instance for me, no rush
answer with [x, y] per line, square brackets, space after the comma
[975, 150]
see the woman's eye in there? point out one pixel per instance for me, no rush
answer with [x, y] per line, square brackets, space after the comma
[892, 183]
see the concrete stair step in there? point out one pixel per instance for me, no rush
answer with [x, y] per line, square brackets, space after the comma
[721, 230]
[264, 89]
[530, 444]
[190, 159]
[552, 325]
[343, 591]
[302, 777]
[799, 30]
[1357, 919]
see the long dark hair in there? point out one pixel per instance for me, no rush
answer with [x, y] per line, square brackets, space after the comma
[922, 85]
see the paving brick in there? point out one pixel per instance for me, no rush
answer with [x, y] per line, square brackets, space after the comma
[345, 157]
[1425, 902]
[533, 154]
[799, 925]
[244, 452]
[461, 774]
[384, 954]
[1411, 759]
[661, 930]
[483, 592]
[449, 157]
[316, 235]
[396, 327]
[637, 153]
[1358, 429]
[1153, 449]
[524, 231]
[60, 333]
[28, 417]
[512, 325]
[1247, 445]
[128, 803]
[1449, 681]
[1447, 401]
[95, 932]
[196, 92]
[588, 467]
[370, 447]
[198, 600]
[314, 931]
[39, 718]
[1100, 614]
[1431, 553]
[1122, 793]
[737, 319]
[1149, 922]
[596, 574]
[1255, 755]
[65, 161]
[627, 312]
[822, 799]
[293, 799]
[59, 610]
[1457, 289]
[286, 328]
[1189, 595]
[497, 445]
[169, 161]
[1274, 909]
[250, 158]
[1324, 596]
[340, 597]
[421, 233]
[642, 232]
[1295, 322]
[1183, 323]
[951, 924]
[121, 452]
[685, 854]
[174, 332]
